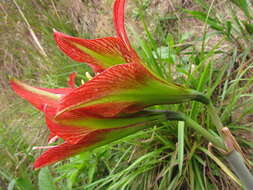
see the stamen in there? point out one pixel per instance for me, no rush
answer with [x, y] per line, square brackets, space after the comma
[88, 75]
[42, 147]
[53, 139]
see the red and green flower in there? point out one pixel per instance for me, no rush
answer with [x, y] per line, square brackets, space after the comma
[80, 131]
[107, 107]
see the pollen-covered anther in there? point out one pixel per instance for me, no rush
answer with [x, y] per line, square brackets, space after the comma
[88, 76]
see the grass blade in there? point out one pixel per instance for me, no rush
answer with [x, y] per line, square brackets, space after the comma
[180, 146]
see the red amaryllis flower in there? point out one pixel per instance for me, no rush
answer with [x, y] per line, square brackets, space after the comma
[124, 84]
[99, 111]
[80, 131]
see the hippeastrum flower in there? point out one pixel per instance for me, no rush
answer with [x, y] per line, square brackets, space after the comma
[80, 131]
[123, 84]
[101, 110]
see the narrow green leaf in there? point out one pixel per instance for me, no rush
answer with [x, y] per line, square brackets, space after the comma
[173, 183]
[228, 28]
[11, 185]
[24, 184]
[92, 171]
[46, 180]
[214, 23]
[220, 74]
[248, 26]
[222, 166]
[199, 178]
[192, 175]
[244, 6]
[180, 146]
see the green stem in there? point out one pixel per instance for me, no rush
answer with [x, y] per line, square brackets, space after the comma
[205, 133]
[236, 162]
[234, 158]
[215, 118]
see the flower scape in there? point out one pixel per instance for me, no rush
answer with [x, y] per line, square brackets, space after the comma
[107, 107]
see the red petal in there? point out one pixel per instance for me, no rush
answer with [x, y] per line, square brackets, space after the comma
[60, 91]
[91, 141]
[65, 150]
[105, 110]
[119, 22]
[108, 83]
[71, 134]
[99, 54]
[38, 97]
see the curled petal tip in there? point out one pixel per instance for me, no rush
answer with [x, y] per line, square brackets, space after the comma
[119, 21]
[38, 97]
